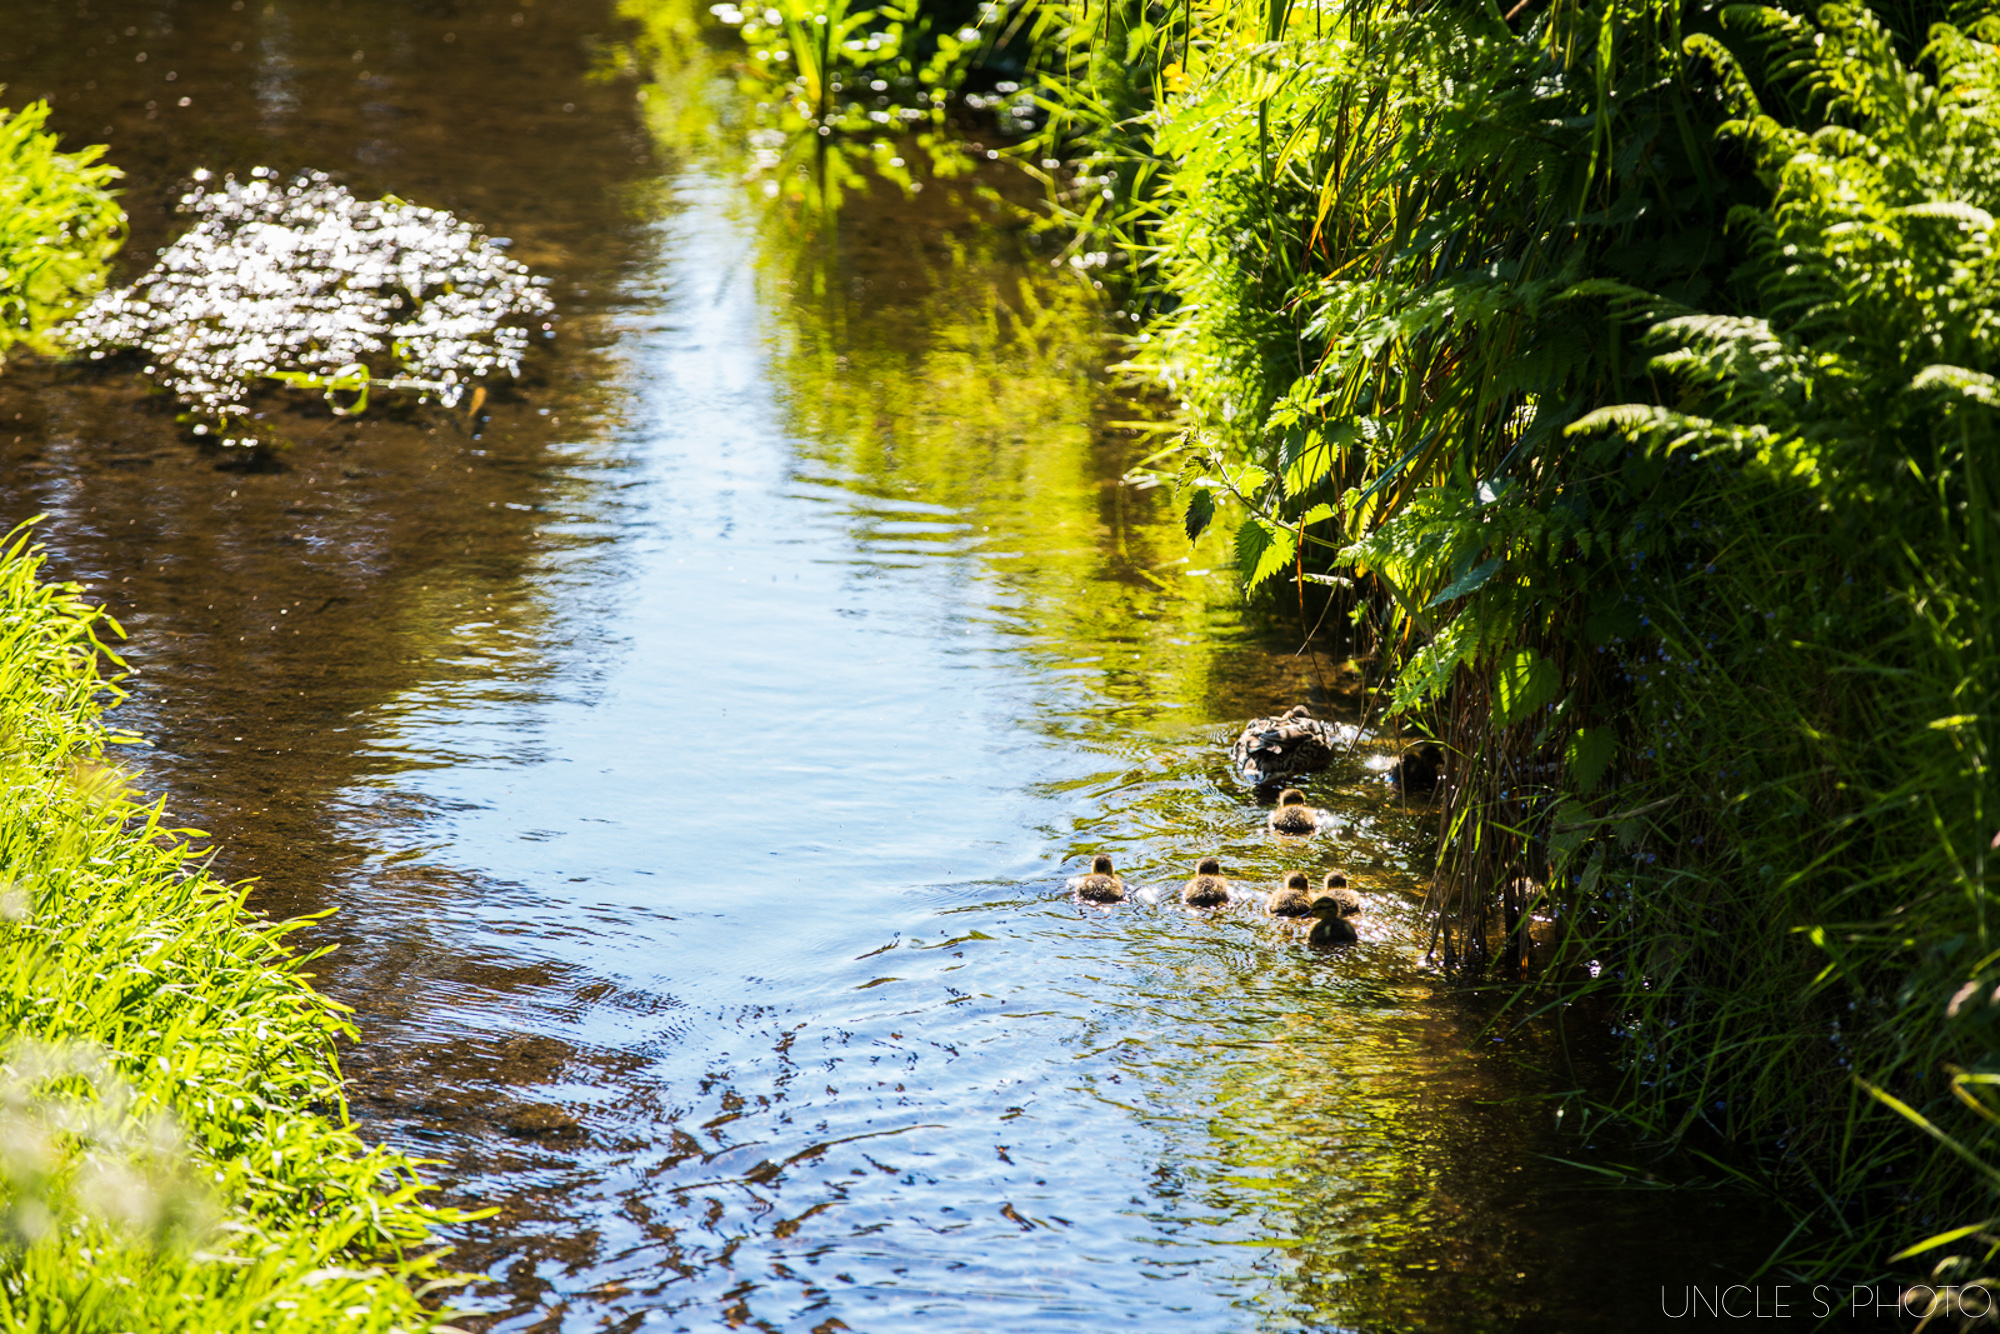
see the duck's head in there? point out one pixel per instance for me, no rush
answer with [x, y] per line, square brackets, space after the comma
[1100, 865]
[1336, 897]
[1208, 866]
[1298, 711]
[1291, 796]
[1329, 926]
[1297, 880]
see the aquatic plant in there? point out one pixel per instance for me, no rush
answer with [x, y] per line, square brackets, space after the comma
[60, 224]
[301, 283]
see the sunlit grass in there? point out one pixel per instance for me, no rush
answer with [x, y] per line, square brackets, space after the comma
[60, 224]
[175, 1152]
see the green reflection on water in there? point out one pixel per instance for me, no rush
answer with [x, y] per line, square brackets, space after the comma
[929, 354]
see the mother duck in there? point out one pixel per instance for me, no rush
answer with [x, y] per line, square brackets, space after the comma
[1274, 748]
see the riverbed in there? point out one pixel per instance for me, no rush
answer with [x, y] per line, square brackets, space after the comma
[690, 750]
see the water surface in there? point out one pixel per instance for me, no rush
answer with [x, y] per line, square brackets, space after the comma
[693, 753]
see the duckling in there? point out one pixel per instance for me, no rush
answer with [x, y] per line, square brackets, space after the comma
[1274, 748]
[1346, 903]
[1330, 925]
[1293, 816]
[1208, 889]
[1292, 900]
[1418, 769]
[1102, 885]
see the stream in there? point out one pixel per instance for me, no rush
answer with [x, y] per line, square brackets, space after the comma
[690, 756]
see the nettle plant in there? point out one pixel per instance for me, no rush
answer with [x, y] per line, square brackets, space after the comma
[300, 283]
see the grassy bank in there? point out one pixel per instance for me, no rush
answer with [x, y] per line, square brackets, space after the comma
[174, 1147]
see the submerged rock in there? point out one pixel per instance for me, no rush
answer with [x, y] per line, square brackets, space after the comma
[540, 1120]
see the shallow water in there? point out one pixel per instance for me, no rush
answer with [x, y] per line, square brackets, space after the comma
[694, 755]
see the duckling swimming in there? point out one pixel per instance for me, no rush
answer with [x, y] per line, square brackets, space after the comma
[1418, 769]
[1208, 889]
[1330, 925]
[1292, 900]
[1273, 748]
[1346, 903]
[1293, 816]
[1102, 885]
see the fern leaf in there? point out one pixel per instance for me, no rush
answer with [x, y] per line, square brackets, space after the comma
[1636, 419]
[1469, 582]
[1950, 210]
[1974, 385]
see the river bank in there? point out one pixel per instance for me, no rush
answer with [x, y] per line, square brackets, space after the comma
[695, 755]
[178, 1154]
[1546, 346]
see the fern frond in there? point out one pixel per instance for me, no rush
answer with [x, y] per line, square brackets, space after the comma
[1950, 210]
[1735, 83]
[1637, 419]
[1977, 386]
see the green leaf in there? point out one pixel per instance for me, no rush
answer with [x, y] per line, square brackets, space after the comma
[1200, 513]
[1261, 551]
[1571, 830]
[1429, 671]
[1468, 582]
[1315, 460]
[1589, 755]
[1525, 682]
[1245, 478]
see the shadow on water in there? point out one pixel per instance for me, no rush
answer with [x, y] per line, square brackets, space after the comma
[695, 749]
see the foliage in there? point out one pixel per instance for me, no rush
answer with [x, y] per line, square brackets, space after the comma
[300, 282]
[1637, 364]
[825, 67]
[174, 1153]
[60, 225]
[839, 96]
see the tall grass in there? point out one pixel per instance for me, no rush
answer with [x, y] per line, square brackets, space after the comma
[59, 227]
[175, 1152]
